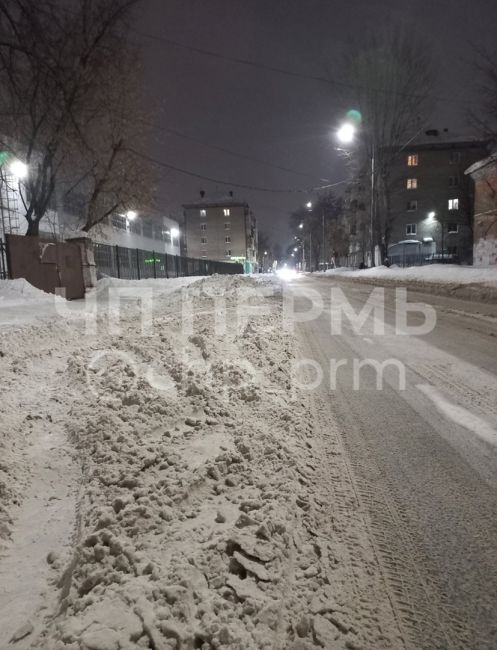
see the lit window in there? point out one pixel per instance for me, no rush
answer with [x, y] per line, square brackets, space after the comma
[453, 204]
[226, 212]
[203, 226]
[227, 226]
[454, 157]
[412, 160]
[203, 213]
[203, 240]
[412, 206]
[412, 183]
[411, 229]
[453, 181]
[227, 240]
[452, 227]
[204, 256]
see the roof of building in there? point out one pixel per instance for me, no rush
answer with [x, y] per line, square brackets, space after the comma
[444, 138]
[490, 161]
[219, 200]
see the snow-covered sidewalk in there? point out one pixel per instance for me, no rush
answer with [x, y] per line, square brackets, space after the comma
[197, 506]
[464, 281]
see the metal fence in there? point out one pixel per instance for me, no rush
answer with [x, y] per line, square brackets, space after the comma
[4, 269]
[137, 264]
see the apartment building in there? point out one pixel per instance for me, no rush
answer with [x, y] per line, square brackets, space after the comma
[432, 199]
[222, 229]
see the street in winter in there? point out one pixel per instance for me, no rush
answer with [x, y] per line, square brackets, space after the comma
[248, 325]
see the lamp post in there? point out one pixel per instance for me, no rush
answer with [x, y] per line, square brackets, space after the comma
[346, 135]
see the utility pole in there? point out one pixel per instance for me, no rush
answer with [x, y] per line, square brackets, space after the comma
[323, 246]
[373, 205]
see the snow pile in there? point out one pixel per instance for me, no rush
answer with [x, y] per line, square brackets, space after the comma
[21, 292]
[433, 273]
[160, 286]
[201, 524]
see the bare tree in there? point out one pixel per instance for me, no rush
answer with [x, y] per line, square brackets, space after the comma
[390, 78]
[56, 64]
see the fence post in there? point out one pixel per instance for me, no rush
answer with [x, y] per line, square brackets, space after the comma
[118, 267]
[176, 262]
[138, 263]
[165, 265]
[155, 272]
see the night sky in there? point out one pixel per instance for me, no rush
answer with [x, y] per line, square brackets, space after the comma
[269, 117]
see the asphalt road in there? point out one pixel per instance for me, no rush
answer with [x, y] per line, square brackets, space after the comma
[423, 456]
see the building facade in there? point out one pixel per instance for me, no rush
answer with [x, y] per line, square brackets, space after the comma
[432, 199]
[63, 219]
[484, 175]
[221, 229]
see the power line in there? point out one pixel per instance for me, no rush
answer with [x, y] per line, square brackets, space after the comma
[284, 71]
[230, 152]
[244, 186]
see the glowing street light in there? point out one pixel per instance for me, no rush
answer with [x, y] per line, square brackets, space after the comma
[432, 215]
[346, 133]
[131, 215]
[308, 205]
[295, 249]
[18, 169]
[174, 233]
[301, 225]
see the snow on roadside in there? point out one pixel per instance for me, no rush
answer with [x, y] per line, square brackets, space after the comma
[199, 524]
[433, 273]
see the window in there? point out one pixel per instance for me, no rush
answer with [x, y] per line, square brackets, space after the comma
[454, 157]
[203, 240]
[411, 229]
[453, 181]
[158, 233]
[227, 253]
[135, 226]
[412, 183]
[412, 206]
[147, 229]
[203, 226]
[227, 240]
[453, 204]
[203, 213]
[227, 226]
[412, 160]
[119, 222]
[452, 227]
[226, 212]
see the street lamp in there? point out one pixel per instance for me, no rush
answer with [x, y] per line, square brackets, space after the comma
[18, 169]
[174, 233]
[308, 205]
[346, 133]
[131, 215]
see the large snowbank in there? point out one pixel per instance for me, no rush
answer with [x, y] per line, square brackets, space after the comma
[207, 516]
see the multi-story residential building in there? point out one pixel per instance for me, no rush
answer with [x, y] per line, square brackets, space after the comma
[484, 174]
[432, 199]
[221, 229]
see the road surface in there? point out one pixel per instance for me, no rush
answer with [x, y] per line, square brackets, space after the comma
[424, 459]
